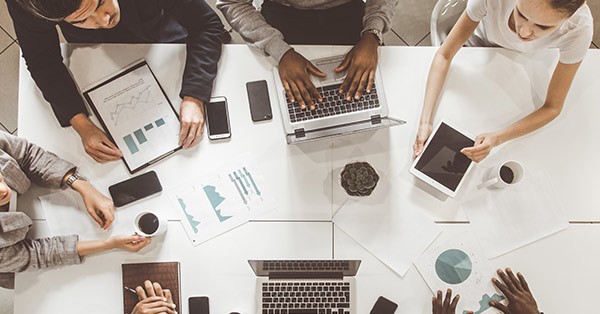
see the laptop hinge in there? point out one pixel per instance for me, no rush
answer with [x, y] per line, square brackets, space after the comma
[306, 275]
[299, 133]
[376, 119]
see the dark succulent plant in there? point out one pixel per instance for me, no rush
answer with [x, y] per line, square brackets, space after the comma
[359, 179]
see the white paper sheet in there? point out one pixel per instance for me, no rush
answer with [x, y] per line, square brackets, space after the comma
[66, 214]
[506, 219]
[222, 200]
[457, 262]
[394, 233]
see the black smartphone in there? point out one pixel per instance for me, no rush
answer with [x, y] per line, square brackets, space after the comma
[198, 305]
[384, 306]
[258, 98]
[218, 118]
[135, 188]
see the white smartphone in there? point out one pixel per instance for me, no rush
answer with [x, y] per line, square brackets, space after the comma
[217, 118]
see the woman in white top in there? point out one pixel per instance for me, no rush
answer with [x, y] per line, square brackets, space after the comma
[521, 25]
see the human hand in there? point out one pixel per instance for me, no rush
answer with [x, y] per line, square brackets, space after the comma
[422, 135]
[132, 243]
[192, 121]
[360, 64]
[100, 207]
[95, 142]
[516, 290]
[295, 71]
[439, 305]
[484, 144]
[153, 299]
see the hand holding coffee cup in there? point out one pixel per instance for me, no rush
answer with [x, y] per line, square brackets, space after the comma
[149, 224]
[503, 175]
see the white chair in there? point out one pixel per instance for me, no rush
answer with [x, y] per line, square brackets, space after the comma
[443, 17]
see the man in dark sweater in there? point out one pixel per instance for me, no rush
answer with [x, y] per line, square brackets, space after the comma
[111, 21]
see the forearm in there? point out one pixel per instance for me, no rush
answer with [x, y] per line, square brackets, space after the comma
[85, 248]
[528, 124]
[379, 14]
[435, 83]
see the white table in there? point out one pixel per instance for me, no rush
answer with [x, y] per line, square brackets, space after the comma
[486, 89]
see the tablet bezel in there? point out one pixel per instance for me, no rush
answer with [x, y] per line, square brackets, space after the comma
[427, 179]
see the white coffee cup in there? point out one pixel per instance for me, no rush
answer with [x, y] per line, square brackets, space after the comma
[149, 224]
[503, 175]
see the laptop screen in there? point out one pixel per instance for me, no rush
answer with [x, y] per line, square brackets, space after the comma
[270, 267]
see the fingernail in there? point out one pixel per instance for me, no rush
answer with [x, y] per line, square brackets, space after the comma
[164, 299]
[173, 305]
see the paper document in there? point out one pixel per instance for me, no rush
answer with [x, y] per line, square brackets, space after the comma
[506, 219]
[66, 214]
[394, 233]
[222, 200]
[457, 262]
[137, 114]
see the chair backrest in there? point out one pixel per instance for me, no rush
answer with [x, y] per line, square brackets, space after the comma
[443, 17]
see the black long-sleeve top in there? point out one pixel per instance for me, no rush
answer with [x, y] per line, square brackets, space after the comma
[142, 21]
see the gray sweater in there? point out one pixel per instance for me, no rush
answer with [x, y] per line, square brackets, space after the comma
[250, 24]
[21, 163]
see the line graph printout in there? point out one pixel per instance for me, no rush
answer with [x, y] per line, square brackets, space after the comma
[135, 111]
[217, 202]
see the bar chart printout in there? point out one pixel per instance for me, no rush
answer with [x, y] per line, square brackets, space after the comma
[219, 201]
[137, 114]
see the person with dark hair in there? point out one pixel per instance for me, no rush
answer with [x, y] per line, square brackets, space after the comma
[280, 23]
[109, 21]
[520, 25]
[519, 298]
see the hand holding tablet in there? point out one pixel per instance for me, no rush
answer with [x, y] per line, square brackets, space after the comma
[441, 163]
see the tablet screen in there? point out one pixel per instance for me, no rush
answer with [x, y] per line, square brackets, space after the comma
[442, 160]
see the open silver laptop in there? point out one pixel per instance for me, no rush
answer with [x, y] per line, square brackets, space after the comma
[305, 286]
[335, 116]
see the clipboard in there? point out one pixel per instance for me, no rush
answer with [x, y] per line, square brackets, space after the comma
[136, 115]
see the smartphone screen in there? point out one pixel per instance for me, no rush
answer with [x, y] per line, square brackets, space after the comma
[198, 305]
[218, 119]
[135, 188]
[258, 98]
[384, 306]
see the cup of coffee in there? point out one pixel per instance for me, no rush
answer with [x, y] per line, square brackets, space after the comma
[507, 173]
[149, 224]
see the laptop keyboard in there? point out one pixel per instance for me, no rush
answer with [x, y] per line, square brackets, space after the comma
[333, 104]
[306, 297]
[314, 265]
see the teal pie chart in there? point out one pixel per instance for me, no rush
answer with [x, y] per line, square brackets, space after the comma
[453, 266]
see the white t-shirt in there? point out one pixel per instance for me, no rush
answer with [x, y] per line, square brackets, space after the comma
[572, 38]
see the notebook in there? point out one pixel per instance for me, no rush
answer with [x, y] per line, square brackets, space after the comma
[167, 274]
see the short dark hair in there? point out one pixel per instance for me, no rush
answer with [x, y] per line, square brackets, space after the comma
[52, 10]
[567, 6]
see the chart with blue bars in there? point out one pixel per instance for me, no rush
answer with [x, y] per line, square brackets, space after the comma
[138, 137]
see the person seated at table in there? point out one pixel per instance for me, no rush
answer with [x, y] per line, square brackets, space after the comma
[515, 290]
[280, 23]
[22, 163]
[154, 299]
[109, 21]
[521, 25]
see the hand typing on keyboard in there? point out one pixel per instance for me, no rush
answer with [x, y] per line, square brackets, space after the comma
[360, 64]
[153, 299]
[295, 71]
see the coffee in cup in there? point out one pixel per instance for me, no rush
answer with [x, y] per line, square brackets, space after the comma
[149, 224]
[503, 175]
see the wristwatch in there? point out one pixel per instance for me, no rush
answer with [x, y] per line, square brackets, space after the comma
[377, 34]
[74, 177]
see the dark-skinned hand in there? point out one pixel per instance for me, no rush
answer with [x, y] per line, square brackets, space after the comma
[516, 290]
[439, 305]
[295, 71]
[360, 64]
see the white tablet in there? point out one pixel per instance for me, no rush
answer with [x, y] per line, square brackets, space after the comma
[441, 164]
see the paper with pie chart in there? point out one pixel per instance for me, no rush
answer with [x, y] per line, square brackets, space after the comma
[458, 263]
[220, 201]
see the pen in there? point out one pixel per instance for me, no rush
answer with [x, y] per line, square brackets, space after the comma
[129, 289]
